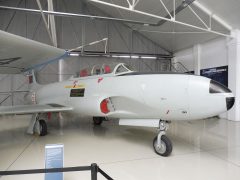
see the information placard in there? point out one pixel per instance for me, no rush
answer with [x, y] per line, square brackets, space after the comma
[54, 159]
[219, 74]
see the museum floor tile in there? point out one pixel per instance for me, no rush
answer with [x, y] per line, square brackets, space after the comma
[204, 149]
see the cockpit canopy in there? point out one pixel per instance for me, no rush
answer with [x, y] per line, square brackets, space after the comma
[114, 69]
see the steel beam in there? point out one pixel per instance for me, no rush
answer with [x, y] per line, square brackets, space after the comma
[12, 17]
[181, 7]
[200, 19]
[166, 9]
[45, 21]
[212, 15]
[159, 17]
[64, 14]
[162, 21]
[52, 23]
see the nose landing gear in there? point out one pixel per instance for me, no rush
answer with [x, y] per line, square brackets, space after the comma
[161, 143]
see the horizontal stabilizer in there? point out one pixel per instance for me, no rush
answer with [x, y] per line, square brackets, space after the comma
[30, 109]
[18, 54]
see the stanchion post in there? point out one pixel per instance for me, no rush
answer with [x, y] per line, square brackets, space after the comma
[94, 171]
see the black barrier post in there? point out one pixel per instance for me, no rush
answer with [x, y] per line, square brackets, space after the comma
[104, 174]
[94, 171]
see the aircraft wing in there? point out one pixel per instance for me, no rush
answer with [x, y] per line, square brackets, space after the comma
[30, 109]
[18, 54]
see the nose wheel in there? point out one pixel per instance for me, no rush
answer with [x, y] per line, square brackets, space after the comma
[164, 148]
[161, 143]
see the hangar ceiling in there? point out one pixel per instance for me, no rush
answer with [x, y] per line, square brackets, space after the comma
[227, 10]
[172, 36]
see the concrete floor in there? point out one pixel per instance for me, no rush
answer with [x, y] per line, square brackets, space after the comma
[204, 149]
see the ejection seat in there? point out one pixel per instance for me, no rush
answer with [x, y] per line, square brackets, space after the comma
[107, 69]
[83, 73]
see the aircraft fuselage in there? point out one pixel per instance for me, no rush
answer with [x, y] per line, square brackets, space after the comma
[139, 96]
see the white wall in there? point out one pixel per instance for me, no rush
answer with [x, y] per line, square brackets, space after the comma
[186, 58]
[213, 54]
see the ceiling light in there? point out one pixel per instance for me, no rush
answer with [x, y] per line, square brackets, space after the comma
[134, 57]
[148, 57]
[74, 54]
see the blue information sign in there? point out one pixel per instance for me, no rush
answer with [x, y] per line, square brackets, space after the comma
[54, 159]
[219, 74]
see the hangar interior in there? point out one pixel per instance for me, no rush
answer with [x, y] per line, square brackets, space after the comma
[199, 37]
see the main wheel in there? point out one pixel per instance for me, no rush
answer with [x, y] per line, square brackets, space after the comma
[98, 120]
[165, 148]
[42, 128]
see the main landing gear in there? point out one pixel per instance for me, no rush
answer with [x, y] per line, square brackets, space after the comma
[38, 125]
[161, 143]
[98, 120]
[42, 129]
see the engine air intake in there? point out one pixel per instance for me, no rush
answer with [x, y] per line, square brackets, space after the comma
[104, 106]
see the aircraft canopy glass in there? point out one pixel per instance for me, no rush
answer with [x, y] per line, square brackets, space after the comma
[113, 68]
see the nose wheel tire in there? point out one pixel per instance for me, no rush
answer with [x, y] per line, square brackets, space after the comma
[42, 128]
[164, 148]
[98, 120]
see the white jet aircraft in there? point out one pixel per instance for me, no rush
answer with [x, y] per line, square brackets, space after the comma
[135, 98]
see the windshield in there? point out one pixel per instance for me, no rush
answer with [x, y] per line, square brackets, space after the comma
[123, 68]
[129, 67]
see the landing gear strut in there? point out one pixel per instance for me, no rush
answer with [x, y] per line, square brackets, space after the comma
[161, 143]
[38, 125]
